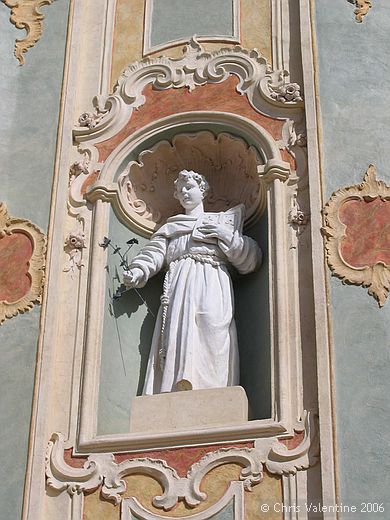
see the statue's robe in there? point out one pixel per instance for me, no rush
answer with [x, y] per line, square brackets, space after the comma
[198, 346]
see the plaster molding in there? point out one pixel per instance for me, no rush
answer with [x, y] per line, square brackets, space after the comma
[375, 277]
[78, 174]
[283, 461]
[294, 134]
[25, 14]
[362, 8]
[102, 470]
[264, 87]
[36, 264]
[61, 476]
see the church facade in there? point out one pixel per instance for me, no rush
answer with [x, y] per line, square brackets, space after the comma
[231, 154]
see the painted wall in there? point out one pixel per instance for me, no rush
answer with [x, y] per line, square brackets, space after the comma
[354, 85]
[255, 26]
[29, 106]
[178, 19]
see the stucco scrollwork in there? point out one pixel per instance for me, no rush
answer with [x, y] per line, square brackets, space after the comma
[357, 234]
[25, 14]
[256, 79]
[102, 469]
[362, 8]
[22, 264]
[78, 480]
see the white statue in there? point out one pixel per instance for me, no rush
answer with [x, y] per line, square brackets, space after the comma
[195, 340]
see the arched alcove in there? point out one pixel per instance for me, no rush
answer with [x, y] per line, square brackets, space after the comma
[143, 189]
[121, 144]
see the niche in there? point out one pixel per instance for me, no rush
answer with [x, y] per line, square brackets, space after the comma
[142, 188]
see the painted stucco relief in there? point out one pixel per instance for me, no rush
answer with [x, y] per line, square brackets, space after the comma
[141, 90]
[180, 487]
[22, 262]
[233, 88]
[25, 14]
[362, 8]
[357, 232]
[128, 47]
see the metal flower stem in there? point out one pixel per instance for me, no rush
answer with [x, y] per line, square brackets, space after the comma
[124, 263]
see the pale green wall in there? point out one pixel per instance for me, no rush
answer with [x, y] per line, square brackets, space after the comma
[178, 19]
[127, 336]
[29, 106]
[354, 79]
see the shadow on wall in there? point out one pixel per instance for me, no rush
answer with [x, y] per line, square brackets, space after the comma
[130, 302]
[253, 327]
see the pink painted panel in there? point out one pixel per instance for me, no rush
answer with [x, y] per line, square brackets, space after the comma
[15, 252]
[367, 233]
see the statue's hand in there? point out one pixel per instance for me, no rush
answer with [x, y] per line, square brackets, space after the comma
[220, 231]
[134, 277]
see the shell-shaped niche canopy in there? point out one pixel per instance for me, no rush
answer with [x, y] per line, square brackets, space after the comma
[228, 163]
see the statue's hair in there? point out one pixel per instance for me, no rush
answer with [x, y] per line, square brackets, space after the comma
[198, 178]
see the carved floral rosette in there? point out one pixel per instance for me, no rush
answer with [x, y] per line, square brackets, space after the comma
[356, 230]
[22, 248]
[144, 191]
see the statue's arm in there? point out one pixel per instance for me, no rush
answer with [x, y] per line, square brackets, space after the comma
[147, 263]
[243, 252]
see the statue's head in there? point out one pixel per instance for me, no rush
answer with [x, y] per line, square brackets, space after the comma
[190, 188]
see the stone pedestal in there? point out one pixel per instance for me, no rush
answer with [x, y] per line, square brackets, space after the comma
[189, 409]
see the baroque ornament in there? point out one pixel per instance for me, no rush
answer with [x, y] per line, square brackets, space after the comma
[357, 235]
[297, 218]
[257, 80]
[22, 263]
[74, 245]
[25, 14]
[102, 470]
[284, 93]
[362, 8]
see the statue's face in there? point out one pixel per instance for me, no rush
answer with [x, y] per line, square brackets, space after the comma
[188, 193]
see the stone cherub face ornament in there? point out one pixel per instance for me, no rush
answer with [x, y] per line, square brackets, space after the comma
[194, 343]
